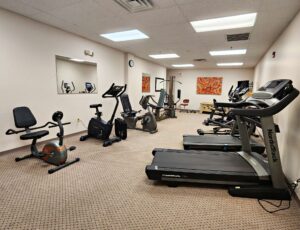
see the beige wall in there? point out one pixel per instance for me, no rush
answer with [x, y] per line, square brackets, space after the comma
[189, 83]
[134, 78]
[286, 64]
[28, 75]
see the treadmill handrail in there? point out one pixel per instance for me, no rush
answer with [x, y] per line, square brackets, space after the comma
[239, 104]
[269, 111]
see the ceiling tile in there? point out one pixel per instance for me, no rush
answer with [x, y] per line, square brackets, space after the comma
[83, 13]
[167, 25]
[46, 5]
[159, 17]
[163, 3]
[283, 5]
[18, 7]
[205, 9]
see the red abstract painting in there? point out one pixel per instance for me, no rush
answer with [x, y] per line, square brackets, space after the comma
[146, 84]
[209, 85]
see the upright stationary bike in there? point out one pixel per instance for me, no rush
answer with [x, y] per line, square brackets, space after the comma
[54, 152]
[99, 128]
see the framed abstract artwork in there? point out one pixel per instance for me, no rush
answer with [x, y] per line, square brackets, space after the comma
[209, 85]
[146, 83]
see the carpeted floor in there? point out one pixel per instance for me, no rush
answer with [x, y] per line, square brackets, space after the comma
[108, 189]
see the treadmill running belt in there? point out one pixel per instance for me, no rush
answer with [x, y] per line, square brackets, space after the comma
[218, 143]
[204, 161]
[211, 167]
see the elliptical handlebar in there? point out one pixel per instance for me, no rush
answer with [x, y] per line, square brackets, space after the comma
[230, 91]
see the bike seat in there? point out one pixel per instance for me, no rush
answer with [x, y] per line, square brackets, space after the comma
[95, 106]
[34, 135]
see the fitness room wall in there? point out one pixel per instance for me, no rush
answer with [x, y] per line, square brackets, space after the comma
[282, 61]
[188, 78]
[103, 155]
[37, 44]
[134, 77]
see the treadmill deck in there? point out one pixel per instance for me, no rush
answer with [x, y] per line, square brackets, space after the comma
[218, 143]
[202, 166]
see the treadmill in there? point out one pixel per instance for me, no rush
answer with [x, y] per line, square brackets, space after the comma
[217, 142]
[225, 142]
[247, 173]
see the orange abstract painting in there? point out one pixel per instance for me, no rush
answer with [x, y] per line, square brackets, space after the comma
[146, 84]
[209, 85]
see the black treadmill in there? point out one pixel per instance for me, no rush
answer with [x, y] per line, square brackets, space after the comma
[248, 171]
[174, 165]
[227, 142]
[219, 143]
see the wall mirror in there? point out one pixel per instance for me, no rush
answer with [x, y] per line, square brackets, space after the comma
[75, 76]
[159, 84]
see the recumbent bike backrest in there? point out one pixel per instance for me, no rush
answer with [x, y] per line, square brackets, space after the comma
[126, 103]
[23, 117]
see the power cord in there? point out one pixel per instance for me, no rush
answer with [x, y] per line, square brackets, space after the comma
[292, 188]
[83, 124]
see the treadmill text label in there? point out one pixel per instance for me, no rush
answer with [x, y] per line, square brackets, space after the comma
[272, 145]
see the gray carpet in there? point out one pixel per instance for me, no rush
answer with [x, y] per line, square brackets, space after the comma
[108, 189]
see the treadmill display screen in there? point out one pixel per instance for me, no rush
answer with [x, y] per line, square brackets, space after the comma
[273, 84]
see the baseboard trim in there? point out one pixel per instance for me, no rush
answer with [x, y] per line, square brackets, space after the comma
[41, 142]
[297, 200]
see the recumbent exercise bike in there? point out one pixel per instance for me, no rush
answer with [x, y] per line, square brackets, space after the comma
[148, 121]
[54, 152]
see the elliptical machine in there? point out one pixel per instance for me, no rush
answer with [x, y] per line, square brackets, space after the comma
[100, 129]
[147, 120]
[54, 152]
[90, 87]
[66, 88]
[222, 119]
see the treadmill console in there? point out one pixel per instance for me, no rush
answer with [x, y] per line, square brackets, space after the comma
[274, 89]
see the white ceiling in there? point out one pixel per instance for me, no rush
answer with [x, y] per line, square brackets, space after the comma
[167, 25]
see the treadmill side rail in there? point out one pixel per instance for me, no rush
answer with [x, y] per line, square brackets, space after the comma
[259, 169]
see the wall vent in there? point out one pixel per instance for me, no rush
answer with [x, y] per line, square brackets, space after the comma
[238, 37]
[134, 6]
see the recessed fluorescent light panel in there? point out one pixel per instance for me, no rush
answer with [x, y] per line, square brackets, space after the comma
[230, 64]
[125, 35]
[232, 22]
[227, 52]
[163, 56]
[183, 65]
